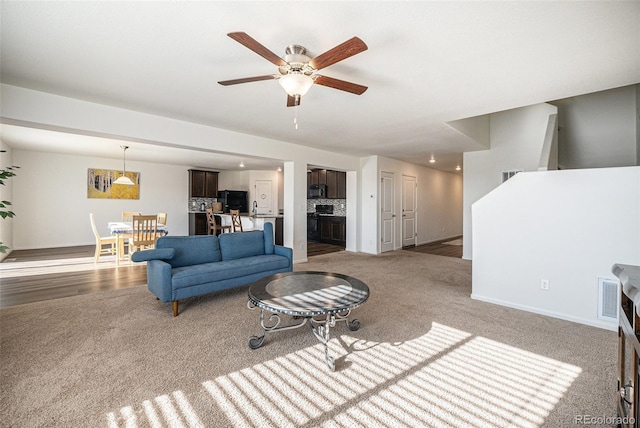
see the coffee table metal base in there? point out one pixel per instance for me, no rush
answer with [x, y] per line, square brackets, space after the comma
[319, 326]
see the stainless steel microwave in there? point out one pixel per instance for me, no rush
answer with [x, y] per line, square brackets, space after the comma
[317, 191]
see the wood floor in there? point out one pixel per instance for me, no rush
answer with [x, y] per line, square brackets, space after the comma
[318, 248]
[28, 276]
[439, 248]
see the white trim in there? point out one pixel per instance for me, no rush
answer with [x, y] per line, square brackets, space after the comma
[612, 326]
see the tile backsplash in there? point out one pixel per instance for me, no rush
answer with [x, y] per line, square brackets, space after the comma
[339, 205]
[194, 203]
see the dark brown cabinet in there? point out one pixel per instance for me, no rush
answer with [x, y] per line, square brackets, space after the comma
[279, 239]
[336, 182]
[333, 230]
[198, 224]
[332, 184]
[203, 184]
[342, 185]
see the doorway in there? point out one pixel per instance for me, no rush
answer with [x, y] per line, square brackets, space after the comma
[387, 219]
[409, 188]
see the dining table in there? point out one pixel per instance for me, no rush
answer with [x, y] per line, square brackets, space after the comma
[123, 231]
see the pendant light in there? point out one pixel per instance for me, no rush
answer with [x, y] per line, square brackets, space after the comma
[124, 179]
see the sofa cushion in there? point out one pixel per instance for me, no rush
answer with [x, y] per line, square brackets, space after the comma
[242, 244]
[191, 250]
[220, 271]
[154, 254]
[268, 238]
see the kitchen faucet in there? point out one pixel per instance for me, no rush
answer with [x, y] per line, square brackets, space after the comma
[255, 208]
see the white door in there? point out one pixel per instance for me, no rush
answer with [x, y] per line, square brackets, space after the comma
[264, 197]
[408, 210]
[387, 220]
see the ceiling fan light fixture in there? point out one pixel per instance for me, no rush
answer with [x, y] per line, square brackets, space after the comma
[296, 83]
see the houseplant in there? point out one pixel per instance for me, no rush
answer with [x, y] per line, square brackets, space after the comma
[5, 174]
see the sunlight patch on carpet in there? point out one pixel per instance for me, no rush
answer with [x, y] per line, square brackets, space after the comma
[446, 377]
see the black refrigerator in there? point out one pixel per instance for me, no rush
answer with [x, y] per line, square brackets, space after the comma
[233, 200]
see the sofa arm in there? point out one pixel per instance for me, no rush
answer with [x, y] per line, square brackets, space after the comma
[155, 254]
[284, 251]
[159, 280]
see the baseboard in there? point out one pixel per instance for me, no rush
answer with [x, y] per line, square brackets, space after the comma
[593, 323]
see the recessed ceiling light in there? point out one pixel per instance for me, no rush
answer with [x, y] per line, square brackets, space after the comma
[432, 160]
[241, 165]
[458, 168]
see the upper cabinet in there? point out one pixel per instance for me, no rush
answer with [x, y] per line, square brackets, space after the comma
[203, 184]
[336, 182]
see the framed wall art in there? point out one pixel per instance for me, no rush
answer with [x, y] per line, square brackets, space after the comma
[100, 184]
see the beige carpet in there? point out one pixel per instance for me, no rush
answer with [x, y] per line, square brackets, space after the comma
[426, 355]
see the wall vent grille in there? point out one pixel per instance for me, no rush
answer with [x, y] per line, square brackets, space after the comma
[608, 299]
[508, 174]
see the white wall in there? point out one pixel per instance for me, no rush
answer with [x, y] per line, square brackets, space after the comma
[599, 130]
[439, 200]
[62, 113]
[233, 180]
[6, 194]
[52, 208]
[568, 226]
[517, 138]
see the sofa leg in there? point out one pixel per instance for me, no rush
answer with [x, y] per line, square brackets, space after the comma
[175, 308]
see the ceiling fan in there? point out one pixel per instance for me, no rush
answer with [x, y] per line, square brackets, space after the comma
[297, 70]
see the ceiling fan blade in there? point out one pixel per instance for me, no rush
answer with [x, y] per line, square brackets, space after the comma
[293, 101]
[248, 79]
[342, 85]
[343, 51]
[254, 45]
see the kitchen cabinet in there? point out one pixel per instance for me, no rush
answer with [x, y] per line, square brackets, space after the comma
[342, 185]
[203, 184]
[336, 182]
[332, 184]
[333, 230]
[279, 231]
[198, 224]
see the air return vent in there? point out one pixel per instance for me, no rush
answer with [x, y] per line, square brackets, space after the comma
[508, 174]
[608, 302]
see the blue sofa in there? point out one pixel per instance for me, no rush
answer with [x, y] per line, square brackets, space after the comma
[186, 266]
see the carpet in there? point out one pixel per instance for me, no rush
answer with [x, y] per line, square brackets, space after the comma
[425, 355]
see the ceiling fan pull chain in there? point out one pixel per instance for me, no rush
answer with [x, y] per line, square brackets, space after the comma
[295, 116]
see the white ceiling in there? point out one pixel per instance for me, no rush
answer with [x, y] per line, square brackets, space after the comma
[428, 63]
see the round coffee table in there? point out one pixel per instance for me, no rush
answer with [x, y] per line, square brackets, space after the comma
[320, 298]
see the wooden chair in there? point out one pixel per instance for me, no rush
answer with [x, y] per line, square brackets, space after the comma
[145, 232]
[101, 242]
[236, 221]
[162, 218]
[127, 216]
[215, 223]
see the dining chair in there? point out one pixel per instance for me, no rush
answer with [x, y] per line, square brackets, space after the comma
[127, 216]
[162, 218]
[102, 242]
[145, 232]
[215, 223]
[236, 221]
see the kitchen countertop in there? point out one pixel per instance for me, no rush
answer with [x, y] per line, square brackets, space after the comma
[241, 214]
